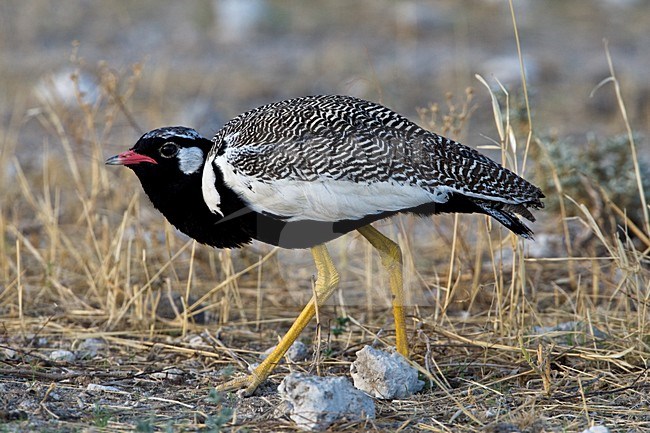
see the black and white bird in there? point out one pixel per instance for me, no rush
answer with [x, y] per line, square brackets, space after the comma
[304, 171]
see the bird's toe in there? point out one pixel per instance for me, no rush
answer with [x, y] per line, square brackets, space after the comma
[245, 386]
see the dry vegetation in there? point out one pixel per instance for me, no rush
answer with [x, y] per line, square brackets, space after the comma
[511, 336]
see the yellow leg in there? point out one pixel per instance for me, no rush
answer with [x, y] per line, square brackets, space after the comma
[326, 282]
[391, 259]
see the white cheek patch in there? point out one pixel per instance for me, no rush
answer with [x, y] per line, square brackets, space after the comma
[210, 194]
[190, 159]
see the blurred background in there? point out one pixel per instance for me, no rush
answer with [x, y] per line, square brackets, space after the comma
[203, 62]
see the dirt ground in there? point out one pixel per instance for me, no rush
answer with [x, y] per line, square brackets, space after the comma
[166, 383]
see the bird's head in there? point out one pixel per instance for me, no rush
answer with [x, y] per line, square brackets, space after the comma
[166, 155]
[169, 164]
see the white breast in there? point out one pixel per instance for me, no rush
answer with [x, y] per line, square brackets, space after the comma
[323, 200]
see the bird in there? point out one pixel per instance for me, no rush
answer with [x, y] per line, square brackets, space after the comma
[301, 172]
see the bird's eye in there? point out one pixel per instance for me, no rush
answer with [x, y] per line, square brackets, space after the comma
[169, 150]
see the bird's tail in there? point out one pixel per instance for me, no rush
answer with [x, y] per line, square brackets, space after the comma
[506, 214]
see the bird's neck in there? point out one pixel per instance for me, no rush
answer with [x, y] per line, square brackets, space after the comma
[184, 207]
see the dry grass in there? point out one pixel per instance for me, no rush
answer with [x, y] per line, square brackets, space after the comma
[85, 260]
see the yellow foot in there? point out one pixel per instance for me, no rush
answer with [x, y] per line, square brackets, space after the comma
[326, 282]
[245, 386]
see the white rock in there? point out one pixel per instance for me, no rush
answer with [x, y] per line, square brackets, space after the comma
[507, 70]
[383, 375]
[316, 402]
[89, 347]
[546, 245]
[237, 20]
[196, 341]
[575, 327]
[62, 356]
[104, 388]
[297, 352]
[174, 375]
[7, 353]
[596, 429]
[61, 88]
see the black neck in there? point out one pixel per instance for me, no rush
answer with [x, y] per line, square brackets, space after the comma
[185, 209]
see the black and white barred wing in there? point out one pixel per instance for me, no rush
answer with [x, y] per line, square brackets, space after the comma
[331, 170]
[341, 158]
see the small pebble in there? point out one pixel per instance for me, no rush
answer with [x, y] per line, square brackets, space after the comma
[62, 356]
[89, 347]
[7, 353]
[576, 327]
[298, 352]
[174, 375]
[103, 388]
[28, 405]
[596, 429]
[504, 427]
[196, 341]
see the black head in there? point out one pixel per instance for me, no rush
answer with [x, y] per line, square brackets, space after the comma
[166, 154]
[169, 163]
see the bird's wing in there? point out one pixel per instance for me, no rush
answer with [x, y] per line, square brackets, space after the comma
[338, 158]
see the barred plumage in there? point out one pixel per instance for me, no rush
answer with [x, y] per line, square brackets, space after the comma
[340, 146]
[345, 138]
[301, 172]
